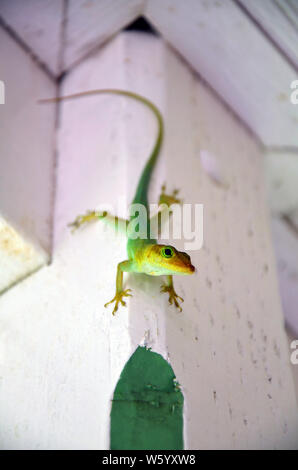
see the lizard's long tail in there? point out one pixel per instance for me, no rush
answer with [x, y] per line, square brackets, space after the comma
[142, 188]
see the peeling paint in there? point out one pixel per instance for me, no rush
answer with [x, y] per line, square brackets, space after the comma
[18, 257]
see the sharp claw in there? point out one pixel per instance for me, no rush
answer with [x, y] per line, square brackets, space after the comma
[119, 299]
[126, 293]
[173, 297]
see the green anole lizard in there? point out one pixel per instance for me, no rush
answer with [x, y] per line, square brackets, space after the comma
[145, 255]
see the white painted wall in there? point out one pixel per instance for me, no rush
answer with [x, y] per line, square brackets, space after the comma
[62, 352]
[39, 26]
[27, 161]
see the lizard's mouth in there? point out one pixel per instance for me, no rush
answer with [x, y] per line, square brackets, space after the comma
[190, 269]
[185, 269]
[187, 266]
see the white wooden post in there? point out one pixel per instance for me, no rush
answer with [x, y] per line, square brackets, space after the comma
[62, 352]
[26, 165]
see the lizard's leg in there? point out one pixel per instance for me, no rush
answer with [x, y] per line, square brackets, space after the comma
[92, 216]
[120, 293]
[173, 296]
[169, 199]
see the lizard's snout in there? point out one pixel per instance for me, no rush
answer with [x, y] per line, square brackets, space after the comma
[190, 269]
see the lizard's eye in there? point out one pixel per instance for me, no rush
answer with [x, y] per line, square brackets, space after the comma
[167, 252]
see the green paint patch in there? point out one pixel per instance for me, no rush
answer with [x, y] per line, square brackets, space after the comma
[147, 409]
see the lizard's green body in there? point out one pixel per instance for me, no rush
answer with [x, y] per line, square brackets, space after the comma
[144, 254]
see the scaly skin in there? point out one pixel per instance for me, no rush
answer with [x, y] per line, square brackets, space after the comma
[144, 255]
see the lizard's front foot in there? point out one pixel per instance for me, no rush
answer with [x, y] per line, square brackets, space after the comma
[90, 216]
[173, 296]
[169, 199]
[119, 299]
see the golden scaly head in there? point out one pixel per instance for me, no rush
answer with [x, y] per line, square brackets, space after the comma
[166, 260]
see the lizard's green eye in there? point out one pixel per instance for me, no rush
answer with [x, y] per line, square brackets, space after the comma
[167, 252]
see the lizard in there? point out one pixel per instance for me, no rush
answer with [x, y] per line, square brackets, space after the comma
[145, 255]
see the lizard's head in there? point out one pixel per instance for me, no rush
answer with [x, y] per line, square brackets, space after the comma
[165, 259]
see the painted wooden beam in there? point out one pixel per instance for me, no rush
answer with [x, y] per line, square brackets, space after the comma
[39, 26]
[61, 33]
[227, 49]
[89, 24]
[224, 45]
[276, 19]
[286, 249]
[18, 257]
[26, 164]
